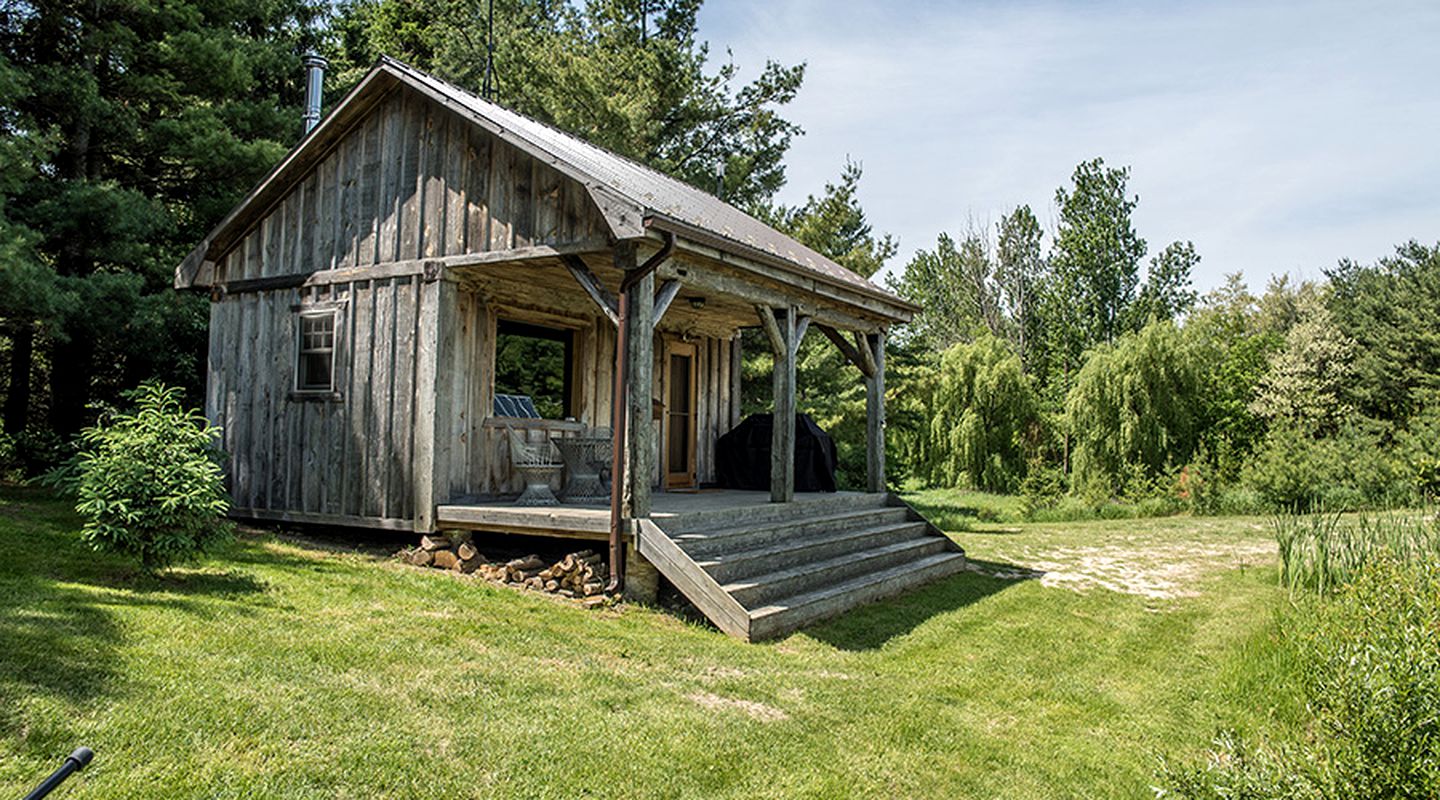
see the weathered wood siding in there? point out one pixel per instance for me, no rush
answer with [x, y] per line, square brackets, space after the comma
[411, 181]
[476, 458]
[713, 403]
[346, 456]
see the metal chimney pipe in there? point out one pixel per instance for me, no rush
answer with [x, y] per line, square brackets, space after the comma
[314, 84]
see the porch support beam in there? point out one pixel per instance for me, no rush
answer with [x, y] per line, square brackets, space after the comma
[873, 345]
[706, 281]
[663, 298]
[639, 347]
[591, 284]
[853, 352]
[784, 332]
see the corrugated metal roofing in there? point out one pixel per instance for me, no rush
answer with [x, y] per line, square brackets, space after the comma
[658, 193]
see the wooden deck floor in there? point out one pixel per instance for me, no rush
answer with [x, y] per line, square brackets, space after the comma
[672, 510]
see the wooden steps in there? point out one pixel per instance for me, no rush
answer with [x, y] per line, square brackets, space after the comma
[777, 568]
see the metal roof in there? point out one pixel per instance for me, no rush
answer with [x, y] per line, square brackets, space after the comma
[658, 194]
[630, 195]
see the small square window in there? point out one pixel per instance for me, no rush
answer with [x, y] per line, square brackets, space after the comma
[315, 361]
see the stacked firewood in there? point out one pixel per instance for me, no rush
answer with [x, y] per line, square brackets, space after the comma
[579, 574]
[442, 552]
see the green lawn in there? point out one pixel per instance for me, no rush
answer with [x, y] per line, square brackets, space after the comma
[277, 669]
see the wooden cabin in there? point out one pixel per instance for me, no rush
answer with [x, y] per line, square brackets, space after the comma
[423, 251]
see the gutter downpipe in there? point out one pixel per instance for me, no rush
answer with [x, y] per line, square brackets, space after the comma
[619, 413]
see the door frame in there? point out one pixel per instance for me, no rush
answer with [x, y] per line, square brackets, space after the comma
[686, 478]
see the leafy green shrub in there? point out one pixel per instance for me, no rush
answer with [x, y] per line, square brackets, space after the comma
[9, 465]
[1372, 677]
[1370, 673]
[149, 481]
[1293, 470]
[1350, 470]
[1236, 770]
[32, 452]
[1234, 500]
[1042, 488]
[1418, 446]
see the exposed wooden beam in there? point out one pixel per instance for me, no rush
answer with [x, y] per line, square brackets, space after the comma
[708, 281]
[870, 366]
[784, 331]
[664, 298]
[640, 380]
[801, 326]
[415, 266]
[847, 349]
[776, 267]
[737, 361]
[591, 284]
[772, 328]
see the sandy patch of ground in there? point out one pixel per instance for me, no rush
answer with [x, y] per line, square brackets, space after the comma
[752, 709]
[1153, 570]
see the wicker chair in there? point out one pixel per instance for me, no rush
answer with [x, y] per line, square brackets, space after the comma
[537, 466]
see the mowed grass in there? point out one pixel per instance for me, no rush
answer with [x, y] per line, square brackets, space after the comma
[277, 669]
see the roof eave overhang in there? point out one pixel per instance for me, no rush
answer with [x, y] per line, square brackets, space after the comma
[893, 308]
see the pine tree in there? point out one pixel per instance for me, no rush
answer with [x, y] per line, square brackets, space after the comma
[630, 76]
[160, 117]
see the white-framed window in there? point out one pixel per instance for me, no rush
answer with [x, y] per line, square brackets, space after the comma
[315, 351]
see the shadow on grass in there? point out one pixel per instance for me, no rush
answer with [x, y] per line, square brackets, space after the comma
[961, 518]
[870, 627]
[62, 614]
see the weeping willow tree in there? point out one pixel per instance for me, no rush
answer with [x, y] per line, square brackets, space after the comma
[1135, 408]
[985, 416]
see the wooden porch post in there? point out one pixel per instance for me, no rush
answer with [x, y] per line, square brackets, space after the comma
[875, 415]
[784, 329]
[640, 377]
[737, 367]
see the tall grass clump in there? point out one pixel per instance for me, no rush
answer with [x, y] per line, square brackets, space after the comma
[1323, 551]
[1368, 658]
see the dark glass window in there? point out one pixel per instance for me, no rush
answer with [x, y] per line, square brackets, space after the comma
[315, 364]
[533, 375]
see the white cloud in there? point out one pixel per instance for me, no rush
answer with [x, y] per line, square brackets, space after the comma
[1279, 137]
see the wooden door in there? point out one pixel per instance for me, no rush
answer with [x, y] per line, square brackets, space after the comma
[680, 394]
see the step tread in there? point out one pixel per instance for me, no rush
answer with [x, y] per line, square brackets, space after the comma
[800, 601]
[709, 560]
[717, 534]
[795, 571]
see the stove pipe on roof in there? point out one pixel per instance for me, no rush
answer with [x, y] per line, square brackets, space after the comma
[314, 82]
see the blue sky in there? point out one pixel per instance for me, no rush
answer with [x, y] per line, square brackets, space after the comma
[1279, 137]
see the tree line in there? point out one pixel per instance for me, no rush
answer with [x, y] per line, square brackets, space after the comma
[127, 131]
[1057, 370]
[1064, 362]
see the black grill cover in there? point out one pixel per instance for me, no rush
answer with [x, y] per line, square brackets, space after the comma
[742, 456]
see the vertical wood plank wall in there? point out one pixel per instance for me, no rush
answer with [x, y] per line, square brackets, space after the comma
[479, 462]
[413, 180]
[347, 456]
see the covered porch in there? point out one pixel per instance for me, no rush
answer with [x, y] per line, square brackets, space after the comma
[655, 325]
[673, 510]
